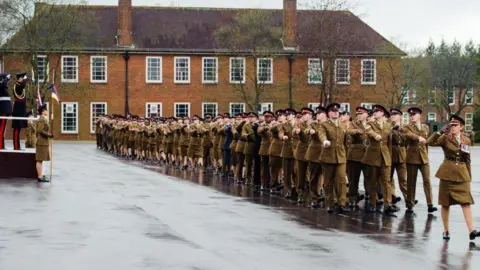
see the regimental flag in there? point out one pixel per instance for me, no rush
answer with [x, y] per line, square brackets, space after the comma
[55, 93]
[39, 97]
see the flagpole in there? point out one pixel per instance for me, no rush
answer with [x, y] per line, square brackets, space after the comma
[52, 130]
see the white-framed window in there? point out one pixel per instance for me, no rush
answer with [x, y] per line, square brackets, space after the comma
[468, 121]
[209, 107]
[237, 70]
[369, 71]
[96, 109]
[451, 97]
[265, 70]
[69, 117]
[315, 69]
[266, 106]
[368, 106]
[432, 96]
[406, 118]
[182, 69]
[153, 109]
[70, 68]
[469, 96]
[42, 69]
[342, 71]
[210, 70]
[345, 107]
[414, 96]
[432, 117]
[313, 106]
[154, 69]
[98, 69]
[405, 96]
[182, 109]
[236, 108]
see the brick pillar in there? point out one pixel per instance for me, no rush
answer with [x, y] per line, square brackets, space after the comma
[125, 35]
[290, 23]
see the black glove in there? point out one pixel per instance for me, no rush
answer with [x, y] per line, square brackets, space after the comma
[445, 129]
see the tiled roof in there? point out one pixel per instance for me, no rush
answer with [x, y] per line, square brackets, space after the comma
[192, 29]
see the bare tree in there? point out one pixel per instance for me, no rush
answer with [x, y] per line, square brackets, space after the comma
[252, 35]
[35, 28]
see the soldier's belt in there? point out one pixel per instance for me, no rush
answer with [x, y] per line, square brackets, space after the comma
[455, 159]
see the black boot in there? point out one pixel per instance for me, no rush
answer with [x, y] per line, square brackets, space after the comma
[446, 235]
[474, 234]
[432, 209]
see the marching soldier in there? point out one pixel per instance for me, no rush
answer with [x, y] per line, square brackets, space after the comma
[275, 151]
[399, 154]
[286, 134]
[264, 132]
[333, 158]
[417, 159]
[248, 135]
[301, 150]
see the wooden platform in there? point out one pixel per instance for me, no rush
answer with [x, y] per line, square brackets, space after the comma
[18, 164]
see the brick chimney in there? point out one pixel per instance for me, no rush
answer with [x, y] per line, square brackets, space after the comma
[125, 35]
[289, 23]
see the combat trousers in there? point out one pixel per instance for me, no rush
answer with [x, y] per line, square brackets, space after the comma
[287, 165]
[257, 167]
[314, 180]
[335, 183]
[367, 178]
[301, 176]
[239, 167]
[412, 172]
[380, 175]
[275, 166]
[354, 169]
[402, 178]
[265, 170]
[248, 168]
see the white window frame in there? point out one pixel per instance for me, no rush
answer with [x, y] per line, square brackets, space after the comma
[235, 103]
[432, 96]
[406, 97]
[345, 106]
[209, 103]
[92, 123]
[430, 118]
[76, 69]
[414, 96]
[243, 71]
[203, 70]
[406, 118]
[448, 97]
[181, 103]
[271, 70]
[63, 116]
[368, 106]
[313, 106]
[374, 72]
[265, 104]
[147, 67]
[151, 104]
[471, 96]
[91, 69]
[175, 69]
[310, 71]
[469, 121]
[348, 76]
[47, 75]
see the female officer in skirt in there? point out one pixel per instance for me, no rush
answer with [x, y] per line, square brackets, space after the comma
[43, 141]
[454, 173]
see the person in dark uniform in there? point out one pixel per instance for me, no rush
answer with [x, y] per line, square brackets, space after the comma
[257, 161]
[5, 106]
[19, 108]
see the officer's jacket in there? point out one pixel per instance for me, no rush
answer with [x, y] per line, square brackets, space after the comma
[275, 148]
[398, 143]
[266, 135]
[417, 153]
[335, 153]
[377, 152]
[43, 132]
[314, 148]
[358, 141]
[286, 129]
[302, 145]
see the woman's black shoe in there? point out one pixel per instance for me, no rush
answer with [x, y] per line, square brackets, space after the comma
[474, 234]
[446, 235]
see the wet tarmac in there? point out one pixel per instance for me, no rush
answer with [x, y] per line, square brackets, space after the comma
[102, 212]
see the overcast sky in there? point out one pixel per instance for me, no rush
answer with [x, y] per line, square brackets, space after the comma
[413, 22]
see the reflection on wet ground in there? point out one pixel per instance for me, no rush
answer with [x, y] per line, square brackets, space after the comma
[102, 212]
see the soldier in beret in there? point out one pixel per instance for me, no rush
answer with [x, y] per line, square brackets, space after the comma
[399, 154]
[300, 151]
[275, 151]
[248, 135]
[44, 136]
[286, 134]
[264, 131]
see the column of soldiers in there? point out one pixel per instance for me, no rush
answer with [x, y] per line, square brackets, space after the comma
[312, 156]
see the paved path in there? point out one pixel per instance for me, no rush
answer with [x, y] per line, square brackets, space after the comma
[101, 212]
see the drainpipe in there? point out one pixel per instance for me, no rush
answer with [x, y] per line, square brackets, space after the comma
[290, 90]
[126, 57]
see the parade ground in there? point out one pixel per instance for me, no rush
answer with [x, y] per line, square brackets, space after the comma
[103, 212]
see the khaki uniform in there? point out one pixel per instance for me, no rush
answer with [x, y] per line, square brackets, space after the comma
[274, 151]
[184, 141]
[312, 155]
[239, 150]
[377, 156]
[233, 145]
[286, 129]
[334, 159]
[356, 151]
[399, 157]
[455, 171]
[195, 148]
[299, 155]
[417, 159]
[249, 136]
[42, 152]
[207, 140]
[266, 136]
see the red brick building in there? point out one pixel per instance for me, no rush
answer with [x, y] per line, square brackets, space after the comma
[165, 61]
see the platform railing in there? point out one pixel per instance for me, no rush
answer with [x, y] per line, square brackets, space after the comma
[22, 150]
